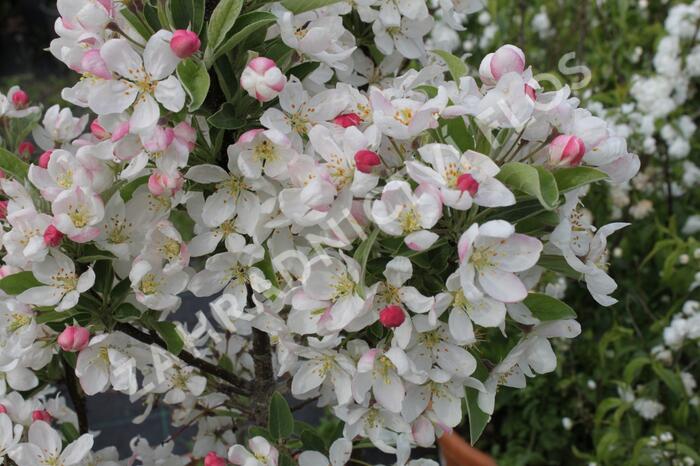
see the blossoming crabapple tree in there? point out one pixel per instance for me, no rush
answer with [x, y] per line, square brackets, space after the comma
[370, 221]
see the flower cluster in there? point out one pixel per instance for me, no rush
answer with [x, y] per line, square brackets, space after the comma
[369, 232]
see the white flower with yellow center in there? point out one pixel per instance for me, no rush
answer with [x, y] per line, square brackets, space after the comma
[44, 447]
[402, 212]
[490, 255]
[155, 288]
[141, 82]
[104, 363]
[61, 287]
[77, 212]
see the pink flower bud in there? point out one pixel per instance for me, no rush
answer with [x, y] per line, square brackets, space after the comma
[6, 270]
[3, 409]
[160, 183]
[392, 316]
[530, 92]
[212, 459]
[506, 59]
[26, 149]
[52, 237]
[20, 99]
[41, 415]
[44, 158]
[566, 150]
[365, 160]
[262, 80]
[98, 131]
[73, 338]
[467, 183]
[185, 43]
[3, 210]
[347, 119]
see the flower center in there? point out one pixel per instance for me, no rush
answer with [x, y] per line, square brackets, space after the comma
[344, 286]
[404, 116]
[17, 321]
[409, 220]
[265, 152]
[149, 284]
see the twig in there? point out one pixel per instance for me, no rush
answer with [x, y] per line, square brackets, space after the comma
[238, 385]
[76, 397]
[264, 377]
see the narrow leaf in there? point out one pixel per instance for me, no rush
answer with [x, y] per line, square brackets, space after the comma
[456, 65]
[545, 307]
[18, 282]
[281, 421]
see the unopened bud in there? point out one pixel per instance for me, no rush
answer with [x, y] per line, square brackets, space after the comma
[185, 43]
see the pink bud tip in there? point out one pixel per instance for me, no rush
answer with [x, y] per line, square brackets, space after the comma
[73, 338]
[365, 160]
[566, 150]
[26, 148]
[212, 459]
[52, 237]
[3, 409]
[392, 316]
[44, 159]
[467, 183]
[261, 64]
[20, 99]
[98, 131]
[530, 92]
[3, 210]
[184, 43]
[347, 119]
[507, 59]
[41, 415]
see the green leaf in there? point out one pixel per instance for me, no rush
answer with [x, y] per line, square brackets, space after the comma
[91, 253]
[126, 312]
[70, 433]
[168, 332]
[13, 165]
[478, 420]
[300, 6]
[545, 307]
[143, 28]
[362, 254]
[195, 79]
[285, 460]
[312, 441]
[127, 191]
[182, 11]
[634, 367]
[45, 317]
[671, 379]
[257, 431]
[304, 69]
[533, 180]
[226, 118]
[18, 282]
[456, 65]
[558, 264]
[198, 15]
[183, 224]
[281, 420]
[222, 20]
[246, 25]
[575, 177]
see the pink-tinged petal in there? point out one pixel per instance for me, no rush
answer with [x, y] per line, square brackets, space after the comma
[503, 286]
[466, 240]
[366, 362]
[421, 240]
